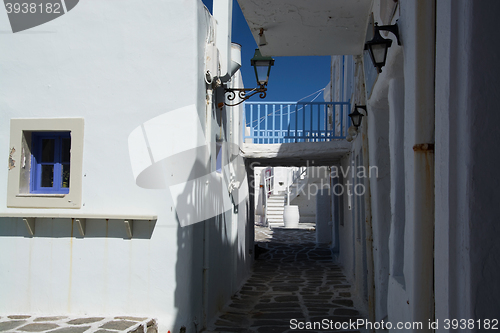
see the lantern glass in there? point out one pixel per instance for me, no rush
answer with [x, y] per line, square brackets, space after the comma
[379, 53]
[262, 66]
[356, 118]
[262, 70]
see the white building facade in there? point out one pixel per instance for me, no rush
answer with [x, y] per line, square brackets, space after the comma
[129, 213]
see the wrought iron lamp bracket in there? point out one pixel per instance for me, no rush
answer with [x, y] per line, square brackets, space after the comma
[244, 94]
[363, 107]
[391, 28]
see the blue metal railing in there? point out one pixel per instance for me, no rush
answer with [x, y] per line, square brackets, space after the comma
[285, 122]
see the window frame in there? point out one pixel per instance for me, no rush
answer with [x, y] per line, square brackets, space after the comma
[19, 192]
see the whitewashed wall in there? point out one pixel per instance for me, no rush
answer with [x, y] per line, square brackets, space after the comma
[437, 246]
[317, 179]
[466, 233]
[117, 65]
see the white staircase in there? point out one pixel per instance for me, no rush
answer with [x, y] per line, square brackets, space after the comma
[274, 204]
[274, 209]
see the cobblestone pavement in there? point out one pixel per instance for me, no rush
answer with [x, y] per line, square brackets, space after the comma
[293, 278]
[63, 324]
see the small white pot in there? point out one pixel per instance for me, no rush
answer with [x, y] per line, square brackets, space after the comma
[291, 216]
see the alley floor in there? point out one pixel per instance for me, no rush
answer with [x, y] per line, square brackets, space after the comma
[65, 324]
[294, 286]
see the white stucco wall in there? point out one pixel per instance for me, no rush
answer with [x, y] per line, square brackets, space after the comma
[346, 252]
[451, 175]
[440, 266]
[310, 183]
[280, 179]
[117, 66]
[258, 190]
[306, 201]
[466, 233]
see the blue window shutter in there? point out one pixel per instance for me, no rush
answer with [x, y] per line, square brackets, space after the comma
[50, 161]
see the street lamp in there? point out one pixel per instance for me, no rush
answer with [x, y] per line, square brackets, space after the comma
[262, 66]
[379, 45]
[357, 116]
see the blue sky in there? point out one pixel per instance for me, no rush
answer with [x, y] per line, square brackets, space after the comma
[291, 78]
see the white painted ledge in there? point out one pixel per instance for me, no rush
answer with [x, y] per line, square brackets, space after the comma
[29, 218]
[69, 215]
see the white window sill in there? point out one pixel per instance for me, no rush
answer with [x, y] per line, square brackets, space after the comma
[40, 195]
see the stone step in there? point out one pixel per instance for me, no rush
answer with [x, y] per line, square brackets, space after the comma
[276, 199]
[275, 209]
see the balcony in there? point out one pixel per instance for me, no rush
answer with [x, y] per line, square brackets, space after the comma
[285, 133]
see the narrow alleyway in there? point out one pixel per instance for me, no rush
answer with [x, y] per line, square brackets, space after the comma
[294, 281]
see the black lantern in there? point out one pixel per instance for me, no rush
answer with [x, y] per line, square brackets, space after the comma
[262, 66]
[379, 45]
[357, 116]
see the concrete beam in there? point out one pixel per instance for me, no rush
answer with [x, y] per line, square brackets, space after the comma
[297, 154]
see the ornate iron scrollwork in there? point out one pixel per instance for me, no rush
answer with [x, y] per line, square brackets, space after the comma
[244, 94]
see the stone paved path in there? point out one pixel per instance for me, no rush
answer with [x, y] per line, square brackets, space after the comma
[293, 279]
[63, 324]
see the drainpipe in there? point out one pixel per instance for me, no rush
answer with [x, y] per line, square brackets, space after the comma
[422, 113]
[358, 63]
[223, 14]
[206, 230]
[205, 272]
[288, 187]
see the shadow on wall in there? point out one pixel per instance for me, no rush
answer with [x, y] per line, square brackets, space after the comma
[66, 227]
[207, 279]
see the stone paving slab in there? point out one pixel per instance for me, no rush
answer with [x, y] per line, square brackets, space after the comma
[65, 324]
[311, 226]
[293, 278]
